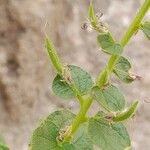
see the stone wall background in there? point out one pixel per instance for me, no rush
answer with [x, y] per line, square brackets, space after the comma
[26, 73]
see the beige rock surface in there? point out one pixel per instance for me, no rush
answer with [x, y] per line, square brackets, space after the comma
[26, 73]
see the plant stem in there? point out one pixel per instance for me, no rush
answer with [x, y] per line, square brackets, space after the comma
[136, 23]
[78, 94]
[80, 118]
[127, 36]
[111, 63]
[81, 115]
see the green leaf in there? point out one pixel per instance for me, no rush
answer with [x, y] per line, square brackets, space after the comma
[62, 89]
[110, 98]
[130, 112]
[108, 45]
[46, 135]
[81, 139]
[146, 29]
[3, 144]
[2, 141]
[67, 146]
[108, 136]
[122, 69]
[3, 147]
[81, 80]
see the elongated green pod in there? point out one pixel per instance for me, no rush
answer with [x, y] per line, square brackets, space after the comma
[53, 55]
[127, 114]
[91, 13]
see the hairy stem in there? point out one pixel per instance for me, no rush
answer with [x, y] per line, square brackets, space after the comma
[126, 37]
[81, 117]
[136, 23]
[111, 63]
[78, 94]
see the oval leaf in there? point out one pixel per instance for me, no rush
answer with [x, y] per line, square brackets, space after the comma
[121, 70]
[146, 29]
[62, 89]
[110, 98]
[81, 79]
[108, 45]
[107, 136]
[46, 135]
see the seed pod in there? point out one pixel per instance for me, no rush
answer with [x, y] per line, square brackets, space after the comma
[91, 12]
[127, 114]
[53, 55]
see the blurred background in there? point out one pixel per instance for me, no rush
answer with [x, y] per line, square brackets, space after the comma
[26, 73]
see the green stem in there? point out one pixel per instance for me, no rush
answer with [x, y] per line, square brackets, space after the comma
[78, 94]
[125, 39]
[136, 23]
[81, 116]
